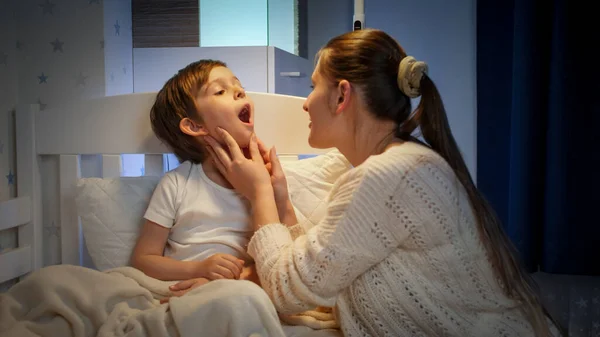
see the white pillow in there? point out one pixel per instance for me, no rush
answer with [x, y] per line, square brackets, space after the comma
[112, 209]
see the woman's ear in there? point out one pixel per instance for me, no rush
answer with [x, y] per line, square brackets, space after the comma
[344, 94]
[189, 127]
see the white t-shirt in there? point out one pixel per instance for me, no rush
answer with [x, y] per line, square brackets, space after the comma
[204, 218]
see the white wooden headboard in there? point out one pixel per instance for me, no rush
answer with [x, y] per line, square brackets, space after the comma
[107, 126]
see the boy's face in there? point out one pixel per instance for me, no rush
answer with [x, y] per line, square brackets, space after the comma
[222, 102]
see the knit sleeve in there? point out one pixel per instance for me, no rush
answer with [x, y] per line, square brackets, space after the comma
[357, 233]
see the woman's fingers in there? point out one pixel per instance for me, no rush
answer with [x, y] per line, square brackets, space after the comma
[254, 151]
[234, 148]
[217, 160]
[275, 164]
[182, 285]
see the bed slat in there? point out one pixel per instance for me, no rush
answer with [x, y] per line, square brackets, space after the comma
[70, 230]
[15, 212]
[29, 184]
[153, 165]
[111, 166]
[15, 263]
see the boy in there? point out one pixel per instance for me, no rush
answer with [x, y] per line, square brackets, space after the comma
[197, 226]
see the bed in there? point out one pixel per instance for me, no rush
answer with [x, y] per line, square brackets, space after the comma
[94, 209]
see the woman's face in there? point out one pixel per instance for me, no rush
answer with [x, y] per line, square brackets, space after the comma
[320, 110]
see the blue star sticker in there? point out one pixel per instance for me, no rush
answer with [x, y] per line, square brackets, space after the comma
[4, 58]
[143, 170]
[117, 28]
[43, 78]
[57, 45]
[11, 178]
[47, 7]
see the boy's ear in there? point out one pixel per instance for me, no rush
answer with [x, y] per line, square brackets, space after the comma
[189, 127]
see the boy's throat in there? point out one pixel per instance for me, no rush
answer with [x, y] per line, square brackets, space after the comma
[213, 173]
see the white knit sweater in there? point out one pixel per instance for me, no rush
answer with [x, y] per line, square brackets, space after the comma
[396, 255]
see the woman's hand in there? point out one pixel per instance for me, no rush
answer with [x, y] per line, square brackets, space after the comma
[248, 176]
[285, 209]
[181, 288]
[278, 181]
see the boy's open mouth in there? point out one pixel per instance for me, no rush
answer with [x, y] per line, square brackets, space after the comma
[244, 115]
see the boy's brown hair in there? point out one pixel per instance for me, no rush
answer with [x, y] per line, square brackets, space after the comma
[175, 101]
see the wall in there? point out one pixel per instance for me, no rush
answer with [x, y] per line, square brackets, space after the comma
[442, 33]
[8, 101]
[57, 51]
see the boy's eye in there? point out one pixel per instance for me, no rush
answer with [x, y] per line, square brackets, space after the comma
[220, 92]
[312, 86]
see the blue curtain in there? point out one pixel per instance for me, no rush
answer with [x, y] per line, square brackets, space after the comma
[538, 127]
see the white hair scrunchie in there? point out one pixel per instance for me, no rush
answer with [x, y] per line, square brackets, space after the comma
[410, 73]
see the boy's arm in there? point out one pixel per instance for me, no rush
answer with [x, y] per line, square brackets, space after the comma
[148, 256]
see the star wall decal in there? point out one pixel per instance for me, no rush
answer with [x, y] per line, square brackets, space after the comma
[47, 7]
[57, 45]
[4, 58]
[117, 28]
[43, 78]
[11, 178]
[80, 79]
[52, 230]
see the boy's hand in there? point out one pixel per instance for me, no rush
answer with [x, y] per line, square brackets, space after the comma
[181, 288]
[220, 266]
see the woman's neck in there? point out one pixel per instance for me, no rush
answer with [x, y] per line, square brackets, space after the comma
[371, 138]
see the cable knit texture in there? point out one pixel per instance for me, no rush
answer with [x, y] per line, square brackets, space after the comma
[397, 255]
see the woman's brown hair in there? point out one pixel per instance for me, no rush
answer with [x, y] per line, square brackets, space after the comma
[370, 59]
[177, 100]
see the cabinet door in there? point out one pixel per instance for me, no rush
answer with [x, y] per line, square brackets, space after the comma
[289, 74]
[154, 66]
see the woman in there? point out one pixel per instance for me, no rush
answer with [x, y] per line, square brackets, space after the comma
[409, 247]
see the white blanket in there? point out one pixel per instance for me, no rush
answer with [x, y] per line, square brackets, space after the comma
[72, 301]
